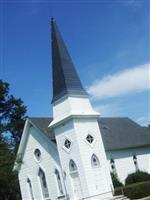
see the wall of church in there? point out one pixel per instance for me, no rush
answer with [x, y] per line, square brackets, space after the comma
[72, 106]
[49, 160]
[98, 178]
[62, 132]
[124, 164]
[92, 181]
[30, 167]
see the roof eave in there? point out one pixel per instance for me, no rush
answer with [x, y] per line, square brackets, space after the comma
[22, 145]
[129, 147]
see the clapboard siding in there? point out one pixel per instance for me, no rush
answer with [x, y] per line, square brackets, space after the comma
[124, 160]
[29, 169]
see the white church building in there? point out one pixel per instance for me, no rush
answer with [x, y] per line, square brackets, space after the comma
[71, 155]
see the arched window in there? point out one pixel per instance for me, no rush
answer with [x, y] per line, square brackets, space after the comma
[75, 180]
[113, 167]
[72, 166]
[30, 188]
[37, 154]
[95, 161]
[59, 181]
[135, 163]
[43, 183]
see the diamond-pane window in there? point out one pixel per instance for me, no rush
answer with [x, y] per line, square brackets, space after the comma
[90, 138]
[67, 144]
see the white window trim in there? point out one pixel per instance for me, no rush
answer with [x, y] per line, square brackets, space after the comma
[40, 187]
[58, 189]
[94, 141]
[114, 170]
[95, 166]
[35, 155]
[74, 171]
[135, 164]
[66, 149]
[30, 190]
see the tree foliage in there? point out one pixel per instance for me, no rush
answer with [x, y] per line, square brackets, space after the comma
[12, 118]
[134, 191]
[12, 114]
[136, 177]
[115, 180]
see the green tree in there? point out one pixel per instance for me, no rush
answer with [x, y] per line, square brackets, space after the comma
[12, 118]
[12, 115]
[115, 180]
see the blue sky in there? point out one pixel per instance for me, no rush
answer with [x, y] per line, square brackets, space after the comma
[108, 41]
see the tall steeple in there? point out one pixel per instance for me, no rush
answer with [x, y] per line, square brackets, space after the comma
[65, 77]
[74, 122]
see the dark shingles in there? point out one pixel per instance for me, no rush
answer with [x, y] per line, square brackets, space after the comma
[65, 77]
[117, 133]
[42, 123]
[121, 133]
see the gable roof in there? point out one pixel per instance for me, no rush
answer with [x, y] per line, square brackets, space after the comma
[38, 123]
[117, 133]
[65, 77]
[42, 123]
[123, 133]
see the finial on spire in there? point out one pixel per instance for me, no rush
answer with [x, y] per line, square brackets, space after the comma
[52, 19]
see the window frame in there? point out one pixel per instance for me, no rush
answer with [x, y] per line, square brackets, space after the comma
[70, 167]
[36, 157]
[42, 186]
[59, 182]
[64, 147]
[94, 140]
[113, 166]
[135, 161]
[97, 159]
[30, 188]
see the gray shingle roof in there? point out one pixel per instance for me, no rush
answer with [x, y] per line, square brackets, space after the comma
[42, 123]
[122, 133]
[65, 77]
[117, 133]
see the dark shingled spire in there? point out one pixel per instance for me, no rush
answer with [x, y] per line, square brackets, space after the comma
[65, 78]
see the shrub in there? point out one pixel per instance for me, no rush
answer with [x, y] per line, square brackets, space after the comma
[134, 191]
[118, 191]
[136, 177]
[115, 180]
[138, 190]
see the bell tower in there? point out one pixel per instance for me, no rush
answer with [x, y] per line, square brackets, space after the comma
[80, 146]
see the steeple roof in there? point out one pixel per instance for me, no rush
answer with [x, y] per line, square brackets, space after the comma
[65, 77]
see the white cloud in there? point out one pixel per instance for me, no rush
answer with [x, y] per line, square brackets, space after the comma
[122, 83]
[143, 120]
[110, 110]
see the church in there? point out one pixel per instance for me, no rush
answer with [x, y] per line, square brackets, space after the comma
[71, 154]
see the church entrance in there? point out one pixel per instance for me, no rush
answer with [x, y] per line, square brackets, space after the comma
[76, 185]
[75, 179]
